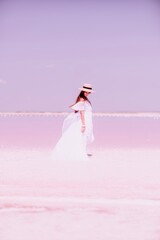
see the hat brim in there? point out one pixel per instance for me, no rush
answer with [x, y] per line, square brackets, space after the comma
[87, 90]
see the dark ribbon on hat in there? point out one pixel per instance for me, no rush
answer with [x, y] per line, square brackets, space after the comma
[87, 88]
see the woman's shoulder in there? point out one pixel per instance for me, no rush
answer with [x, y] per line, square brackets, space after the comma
[79, 106]
[81, 100]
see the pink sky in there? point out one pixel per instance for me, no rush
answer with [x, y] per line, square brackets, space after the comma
[48, 49]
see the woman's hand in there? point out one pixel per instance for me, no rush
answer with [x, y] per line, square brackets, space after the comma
[83, 128]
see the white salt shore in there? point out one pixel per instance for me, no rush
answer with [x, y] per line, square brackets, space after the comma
[111, 174]
[114, 195]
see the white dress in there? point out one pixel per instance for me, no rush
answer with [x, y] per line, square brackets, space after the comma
[72, 144]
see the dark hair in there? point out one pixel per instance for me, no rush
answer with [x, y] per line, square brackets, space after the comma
[81, 96]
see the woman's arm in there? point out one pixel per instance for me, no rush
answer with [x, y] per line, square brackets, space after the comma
[83, 128]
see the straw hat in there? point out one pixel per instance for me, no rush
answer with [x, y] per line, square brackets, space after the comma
[87, 88]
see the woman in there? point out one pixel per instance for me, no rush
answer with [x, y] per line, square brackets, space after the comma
[77, 130]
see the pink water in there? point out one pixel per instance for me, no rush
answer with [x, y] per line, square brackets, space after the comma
[43, 131]
[115, 195]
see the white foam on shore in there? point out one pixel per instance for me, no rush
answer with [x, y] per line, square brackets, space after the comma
[97, 114]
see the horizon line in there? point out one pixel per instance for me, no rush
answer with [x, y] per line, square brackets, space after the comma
[98, 114]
